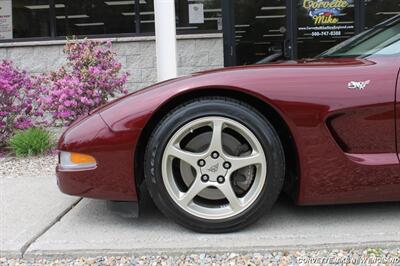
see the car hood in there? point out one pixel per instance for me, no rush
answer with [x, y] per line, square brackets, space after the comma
[303, 63]
[272, 71]
[284, 67]
[279, 65]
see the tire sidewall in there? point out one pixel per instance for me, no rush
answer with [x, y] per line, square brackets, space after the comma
[246, 116]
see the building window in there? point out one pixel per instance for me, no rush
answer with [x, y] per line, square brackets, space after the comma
[92, 17]
[147, 17]
[198, 15]
[29, 19]
[191, 16]
[22, 19]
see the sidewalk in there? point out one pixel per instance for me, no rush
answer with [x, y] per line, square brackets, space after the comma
[39, 220]
[29, 206]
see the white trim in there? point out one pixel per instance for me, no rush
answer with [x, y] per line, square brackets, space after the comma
[112, 39]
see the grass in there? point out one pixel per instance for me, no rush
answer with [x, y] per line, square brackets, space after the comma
[33, 141]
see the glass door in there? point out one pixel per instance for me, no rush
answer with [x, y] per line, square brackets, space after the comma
[260, 31]
[321, 24]
[377, 11]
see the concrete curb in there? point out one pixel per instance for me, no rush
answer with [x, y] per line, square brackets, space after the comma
[172, 252]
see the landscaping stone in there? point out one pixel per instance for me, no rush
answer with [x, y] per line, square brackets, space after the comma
[13, 167]
[294, 257]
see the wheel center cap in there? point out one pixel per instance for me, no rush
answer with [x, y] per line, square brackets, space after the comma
[213, 168]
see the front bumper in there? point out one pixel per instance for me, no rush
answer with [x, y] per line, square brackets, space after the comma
[113, 177]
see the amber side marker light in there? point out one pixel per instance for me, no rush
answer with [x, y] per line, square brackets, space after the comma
[74, 161]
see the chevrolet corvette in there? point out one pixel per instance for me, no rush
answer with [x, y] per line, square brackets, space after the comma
[215, 149]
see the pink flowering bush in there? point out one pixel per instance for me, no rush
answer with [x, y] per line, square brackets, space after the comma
[89, 79]
[16, 93]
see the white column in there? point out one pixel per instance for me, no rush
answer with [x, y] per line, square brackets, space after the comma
[164, 13]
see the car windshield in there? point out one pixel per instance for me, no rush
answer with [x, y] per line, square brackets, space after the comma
[384, 39]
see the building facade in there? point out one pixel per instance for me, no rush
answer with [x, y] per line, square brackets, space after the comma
[210, 33]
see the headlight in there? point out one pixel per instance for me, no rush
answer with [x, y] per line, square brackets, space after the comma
[76, 161]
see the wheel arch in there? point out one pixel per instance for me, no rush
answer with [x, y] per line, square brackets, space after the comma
[285, 135]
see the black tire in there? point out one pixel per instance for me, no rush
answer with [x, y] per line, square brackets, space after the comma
[215, 106]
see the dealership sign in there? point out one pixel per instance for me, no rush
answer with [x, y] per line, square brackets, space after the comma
[326, 15]
[325, 12]
[5, 20]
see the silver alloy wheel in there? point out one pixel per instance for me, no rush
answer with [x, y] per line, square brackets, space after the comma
[214, 168]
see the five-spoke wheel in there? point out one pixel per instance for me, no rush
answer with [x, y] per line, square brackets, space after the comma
[214, 165]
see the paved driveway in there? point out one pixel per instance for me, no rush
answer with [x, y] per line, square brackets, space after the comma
[90, 228]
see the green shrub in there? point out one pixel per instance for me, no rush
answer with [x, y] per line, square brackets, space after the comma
[33, 141]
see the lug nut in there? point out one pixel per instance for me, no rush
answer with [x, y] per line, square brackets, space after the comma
[214, 155]
[227, 165]
[220, 179]
[205, 178]
[201, 163]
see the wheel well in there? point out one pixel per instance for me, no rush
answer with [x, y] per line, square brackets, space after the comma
[291, 155]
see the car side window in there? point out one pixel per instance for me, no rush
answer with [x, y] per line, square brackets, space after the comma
[381, 40]
[391, 49]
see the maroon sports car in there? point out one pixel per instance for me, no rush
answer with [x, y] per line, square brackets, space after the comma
[215, 149]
